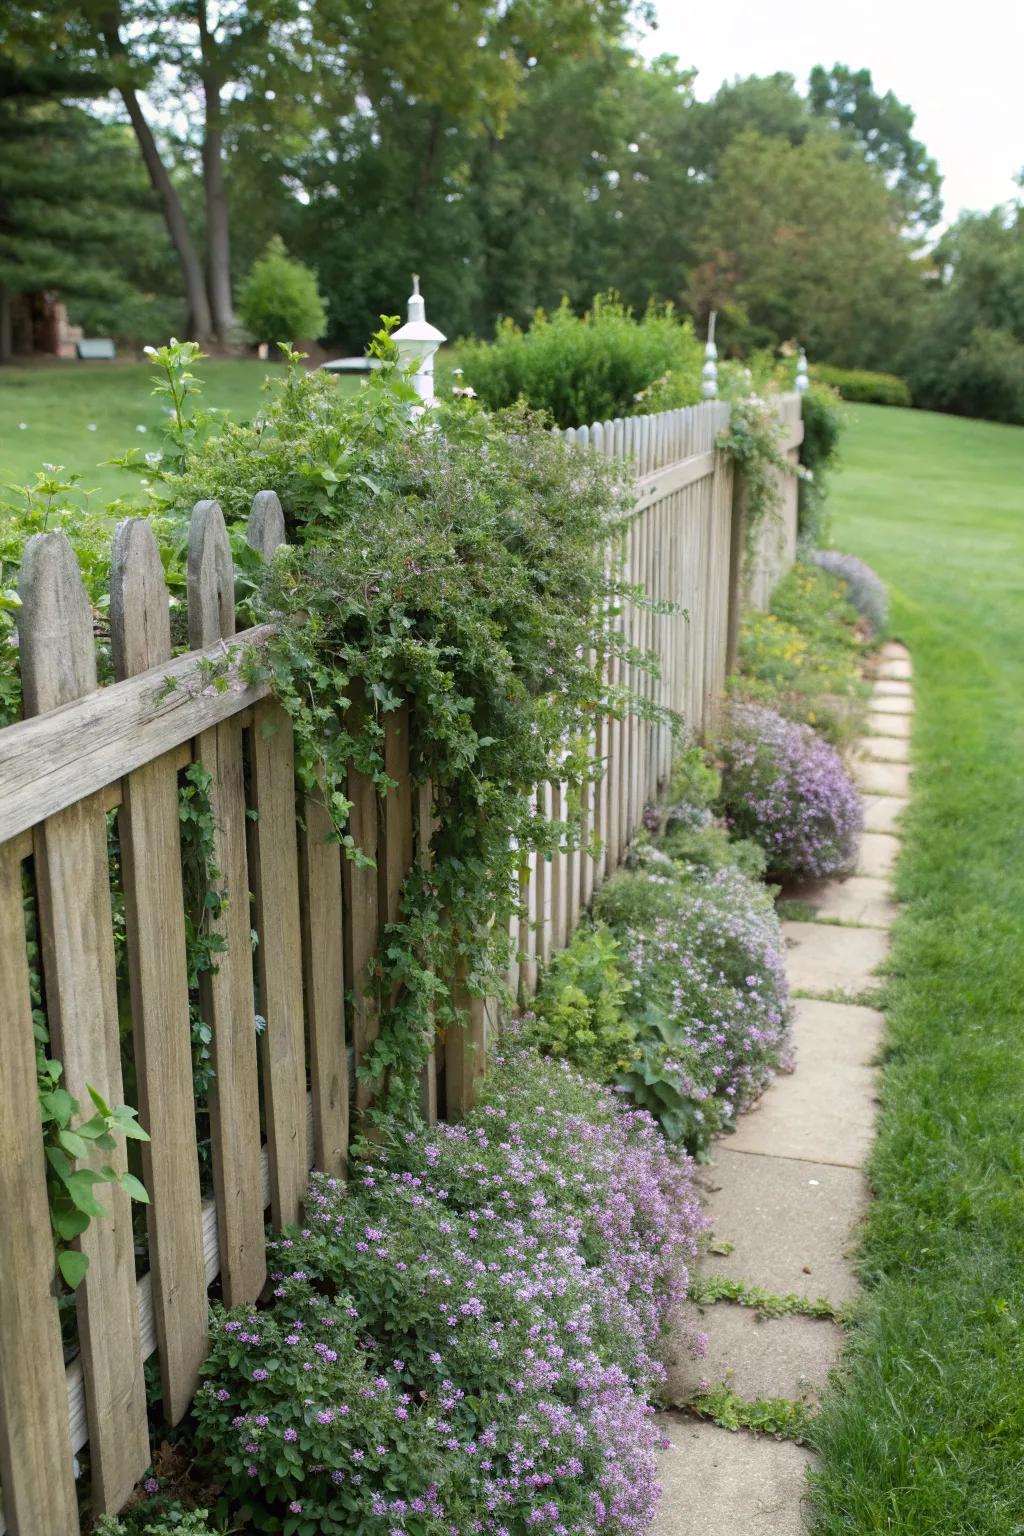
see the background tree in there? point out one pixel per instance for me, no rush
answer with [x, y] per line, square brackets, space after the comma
[279, 301]
[804, 241]
[76, 214]
[882, 129]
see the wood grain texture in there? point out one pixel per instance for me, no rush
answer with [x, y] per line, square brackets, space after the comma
[161, 1028]
[323, 942]
[77, 944]
[38, 1489]
[83, 747]
[425, 826]
[362, 922]
[275, 885]
[227, 998]
[465, 1053]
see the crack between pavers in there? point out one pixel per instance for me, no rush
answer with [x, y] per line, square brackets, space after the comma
[795, 1157]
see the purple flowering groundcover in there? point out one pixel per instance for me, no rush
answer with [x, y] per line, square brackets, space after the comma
[467, 1338]
[788, 790]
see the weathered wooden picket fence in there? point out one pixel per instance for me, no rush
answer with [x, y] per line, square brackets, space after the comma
[281, 1101]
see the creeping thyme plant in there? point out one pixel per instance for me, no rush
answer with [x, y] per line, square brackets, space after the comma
[693, 1014]
[465, 1339]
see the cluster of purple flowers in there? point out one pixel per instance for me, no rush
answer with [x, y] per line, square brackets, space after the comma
[465, 1340]
[788, 790]
[864, 587]
[708, 985]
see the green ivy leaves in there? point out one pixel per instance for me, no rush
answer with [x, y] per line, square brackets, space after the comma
[72, 1190]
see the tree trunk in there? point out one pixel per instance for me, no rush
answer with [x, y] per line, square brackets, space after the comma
[218, 216]
[5, 325]
[200, 324]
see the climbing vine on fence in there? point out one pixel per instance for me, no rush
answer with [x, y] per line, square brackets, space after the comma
[456, 565]
[752, 442]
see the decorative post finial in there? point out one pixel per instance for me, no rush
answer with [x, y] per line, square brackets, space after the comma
[709, 373]
[417, 341]
[803, 382]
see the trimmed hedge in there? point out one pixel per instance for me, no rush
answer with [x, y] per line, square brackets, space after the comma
[863, 386]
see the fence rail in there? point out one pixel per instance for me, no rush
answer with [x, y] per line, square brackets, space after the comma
[280, 1103]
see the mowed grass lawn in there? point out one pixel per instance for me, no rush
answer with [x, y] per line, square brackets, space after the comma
[79, 414]
[926, 1435]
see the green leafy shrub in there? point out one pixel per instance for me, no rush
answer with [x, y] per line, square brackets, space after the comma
[863, 386]
[456, 566]
[819, 452]
[578, 1011]
[582, 369]
[279, 300]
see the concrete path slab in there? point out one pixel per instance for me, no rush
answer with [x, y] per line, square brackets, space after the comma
[824, 1111]
[885, 704]
[882, 813]
[894, 650]
[823, 958]
[878, 853]
[861, 899]
[791, 1223]
[881, 778]
[880, 724]
[717, 1483]
[886, 749]
[893, 688]
[895, 666]
[779, 1357]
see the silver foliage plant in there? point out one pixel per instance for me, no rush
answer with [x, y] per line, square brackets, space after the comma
[865, 587]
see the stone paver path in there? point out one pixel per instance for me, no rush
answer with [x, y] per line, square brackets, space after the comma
[786, 1192]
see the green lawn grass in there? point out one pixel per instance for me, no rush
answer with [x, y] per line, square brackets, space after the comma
[59, 403]
[926, 1433]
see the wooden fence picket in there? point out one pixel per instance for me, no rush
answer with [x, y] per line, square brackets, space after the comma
[275, 885]
[35, 1454]
[362, 916]
[58, 663]
[149, 829]
[227, 997]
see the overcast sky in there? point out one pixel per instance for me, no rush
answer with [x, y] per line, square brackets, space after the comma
[959, 66]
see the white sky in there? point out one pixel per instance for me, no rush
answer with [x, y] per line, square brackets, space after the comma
[959, 66]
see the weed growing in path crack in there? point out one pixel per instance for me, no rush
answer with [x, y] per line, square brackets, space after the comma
[780, 1417]
[705, 1290]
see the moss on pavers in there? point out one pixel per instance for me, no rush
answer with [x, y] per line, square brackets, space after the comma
[881, 778]
[877, 854]
[883, 813]
[822, 958]
[881, 724]
[788, 1224]
[860, 899]
[781, 1357]
[721, 1483]
[884, 749]
[825, 1110]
